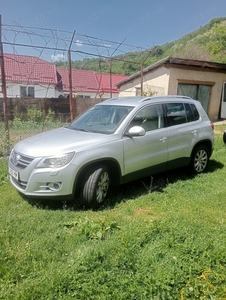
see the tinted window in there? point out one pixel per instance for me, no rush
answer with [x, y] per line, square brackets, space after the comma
[189, 113]
[175, 113]
[195, 112]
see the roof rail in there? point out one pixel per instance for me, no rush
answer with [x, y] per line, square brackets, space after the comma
[178, 96]
[165, 97]
[112, 99]
[145, 99]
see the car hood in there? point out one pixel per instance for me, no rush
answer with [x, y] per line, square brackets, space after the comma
[58, 141]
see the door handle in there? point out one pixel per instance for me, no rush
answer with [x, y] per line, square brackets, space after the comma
[194, 131]
[163, 139]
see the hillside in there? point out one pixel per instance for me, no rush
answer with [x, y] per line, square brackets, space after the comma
[206, 43]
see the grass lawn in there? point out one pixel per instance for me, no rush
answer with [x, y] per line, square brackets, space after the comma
[158, 238]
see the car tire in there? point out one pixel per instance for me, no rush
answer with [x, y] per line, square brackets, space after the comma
[224, 136]
[199, 159]
[95, 187]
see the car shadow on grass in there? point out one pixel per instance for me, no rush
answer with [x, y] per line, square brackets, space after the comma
[48, 204]
[128, 191]
[156, 183]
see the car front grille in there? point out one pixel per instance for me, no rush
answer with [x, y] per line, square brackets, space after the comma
[19, 160]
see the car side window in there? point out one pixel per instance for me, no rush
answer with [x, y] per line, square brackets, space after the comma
[149, 117]
[175, 113]
[189, 113]
[195, 112]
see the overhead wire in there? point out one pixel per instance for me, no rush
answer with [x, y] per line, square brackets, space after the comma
[67, 38]
[56, 41]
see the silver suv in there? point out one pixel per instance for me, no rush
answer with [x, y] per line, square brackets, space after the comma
[114, 142]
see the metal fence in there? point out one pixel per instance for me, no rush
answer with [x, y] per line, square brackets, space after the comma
[27, 117]
[21, 127]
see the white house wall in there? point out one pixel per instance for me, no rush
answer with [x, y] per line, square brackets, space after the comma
[155, 81]
[41, 91]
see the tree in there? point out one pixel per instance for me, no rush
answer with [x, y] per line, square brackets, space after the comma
[217, 39]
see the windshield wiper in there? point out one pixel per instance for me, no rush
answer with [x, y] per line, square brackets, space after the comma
[83, 129]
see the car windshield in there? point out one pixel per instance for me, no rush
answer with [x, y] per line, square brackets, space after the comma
[101, 119]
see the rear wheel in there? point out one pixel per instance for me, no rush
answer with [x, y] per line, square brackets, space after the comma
[95, 187]
[199, 159]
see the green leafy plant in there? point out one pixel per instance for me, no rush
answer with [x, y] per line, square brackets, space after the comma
[35, 115]
[149, 93]
[93, 230]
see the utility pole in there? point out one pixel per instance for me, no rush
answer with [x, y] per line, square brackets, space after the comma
[4, 93]
[70, 80]
[142, 71]
[111, 66]
[110, 78]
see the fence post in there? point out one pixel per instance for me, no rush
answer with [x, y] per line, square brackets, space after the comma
[4, 93]
[70, 79]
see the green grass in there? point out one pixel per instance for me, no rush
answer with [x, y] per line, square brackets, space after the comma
[160, 238]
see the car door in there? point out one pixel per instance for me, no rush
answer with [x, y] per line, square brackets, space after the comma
[146, 154]
[183, 132]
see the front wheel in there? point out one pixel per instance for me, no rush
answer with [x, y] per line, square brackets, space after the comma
[95, 187]
[199, 159]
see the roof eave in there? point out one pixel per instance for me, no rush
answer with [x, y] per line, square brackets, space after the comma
[177, 61]
[146, 70]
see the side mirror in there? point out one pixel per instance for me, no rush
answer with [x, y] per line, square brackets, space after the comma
[136, 131]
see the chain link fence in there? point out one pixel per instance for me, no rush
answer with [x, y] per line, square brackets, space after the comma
[27, 117]
[25, 121]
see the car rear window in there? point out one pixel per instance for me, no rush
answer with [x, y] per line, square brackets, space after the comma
[179, 113]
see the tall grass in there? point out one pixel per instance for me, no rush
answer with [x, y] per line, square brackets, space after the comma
[157, 238]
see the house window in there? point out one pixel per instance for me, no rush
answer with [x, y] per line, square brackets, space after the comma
[200, 92]
[31, 91]
[23, 92]
[27, 91]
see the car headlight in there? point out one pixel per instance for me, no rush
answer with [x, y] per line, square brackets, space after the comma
[56, 161]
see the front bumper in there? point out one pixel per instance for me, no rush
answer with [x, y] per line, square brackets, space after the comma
[44, 182]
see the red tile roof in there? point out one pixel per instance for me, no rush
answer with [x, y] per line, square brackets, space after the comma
[29, 69]
[82, 80]
[107, 82]
[34, 70]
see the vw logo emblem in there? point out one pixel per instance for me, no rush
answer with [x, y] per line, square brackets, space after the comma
[16, 159]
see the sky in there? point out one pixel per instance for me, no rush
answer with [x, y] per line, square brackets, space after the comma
[99, 27]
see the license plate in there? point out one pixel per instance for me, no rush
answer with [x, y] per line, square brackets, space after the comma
[14, 173]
